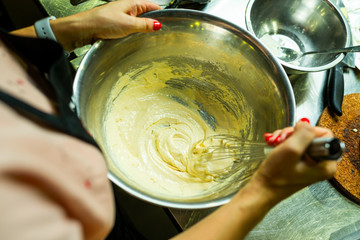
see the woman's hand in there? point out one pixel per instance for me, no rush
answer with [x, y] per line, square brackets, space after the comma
[287, 169]
[112, 20]
[119, 18]
[282, 173]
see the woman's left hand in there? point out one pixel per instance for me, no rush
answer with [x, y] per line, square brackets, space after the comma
[109, 21]
[119, 18]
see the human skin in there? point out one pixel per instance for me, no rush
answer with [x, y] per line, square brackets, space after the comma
[284, 172]
[109, 21]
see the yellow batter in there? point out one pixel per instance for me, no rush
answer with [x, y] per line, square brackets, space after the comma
[157, 114]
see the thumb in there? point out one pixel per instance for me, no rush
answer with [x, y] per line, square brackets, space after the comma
[146, 25]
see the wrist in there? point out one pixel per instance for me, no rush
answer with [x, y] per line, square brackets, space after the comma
[43, 28]
[260, 192]
[250, 205]
[71, 32]
[273, 193]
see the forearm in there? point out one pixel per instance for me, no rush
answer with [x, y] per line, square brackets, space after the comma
[280, 175]
[72, 31]
[109, 21]
[25, 32]
[69, 31]
[235, 219]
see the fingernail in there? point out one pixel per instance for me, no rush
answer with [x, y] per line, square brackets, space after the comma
[270, 140]
[157, 25]
[305, 120]
[277, 140]
[267, 136]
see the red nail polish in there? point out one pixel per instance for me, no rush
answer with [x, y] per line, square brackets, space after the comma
[267, 136]
[157, 25]
[270, 140]
[277, 140]
[305, 120]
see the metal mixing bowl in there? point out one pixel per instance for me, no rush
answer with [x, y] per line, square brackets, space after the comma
[189, 39]
[301, 25]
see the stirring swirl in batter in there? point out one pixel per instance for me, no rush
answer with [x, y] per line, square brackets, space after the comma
[154, 121]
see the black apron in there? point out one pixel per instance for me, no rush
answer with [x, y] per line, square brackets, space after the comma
[49, 58]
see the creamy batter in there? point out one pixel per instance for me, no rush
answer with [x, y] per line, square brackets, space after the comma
[158, 112]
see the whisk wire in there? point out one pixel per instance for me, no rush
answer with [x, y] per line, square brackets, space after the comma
[243, 156]
[220, 147]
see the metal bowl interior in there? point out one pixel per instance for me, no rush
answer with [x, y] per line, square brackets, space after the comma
[188, 39]
[301, 25]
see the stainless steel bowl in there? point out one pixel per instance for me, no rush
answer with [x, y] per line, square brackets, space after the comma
[302, 25]
[196, 40]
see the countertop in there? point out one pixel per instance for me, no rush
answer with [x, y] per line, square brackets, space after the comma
[316, 212]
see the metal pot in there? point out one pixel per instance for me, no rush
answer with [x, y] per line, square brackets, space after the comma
[223, 51]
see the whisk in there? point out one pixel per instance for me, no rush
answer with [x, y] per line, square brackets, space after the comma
[224, 147]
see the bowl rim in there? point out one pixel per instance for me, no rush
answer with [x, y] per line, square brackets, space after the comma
[299, 69]
[188, 13]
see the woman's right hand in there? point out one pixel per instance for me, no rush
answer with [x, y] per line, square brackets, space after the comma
[282, 173]
[286, 169]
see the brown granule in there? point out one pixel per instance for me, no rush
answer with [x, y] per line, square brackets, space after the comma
[347, 129]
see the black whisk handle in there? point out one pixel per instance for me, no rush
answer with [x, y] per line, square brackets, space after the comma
[325, 149]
